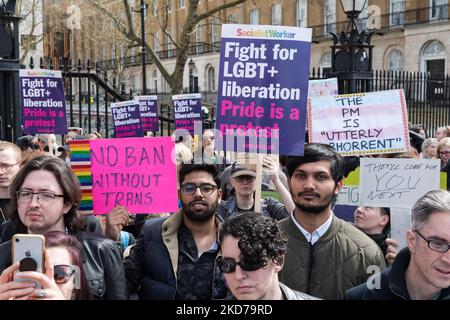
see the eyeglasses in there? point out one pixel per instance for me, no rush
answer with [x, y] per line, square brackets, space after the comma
[228, 265]
[444, 153]
[242, 179]
[6, 166]
[435, 244]
[43, 197]
[205, 188]
[208, 138]
[62, 273]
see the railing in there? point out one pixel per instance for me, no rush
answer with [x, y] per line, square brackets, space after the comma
[136, 60]
[393, 20]
[89, 94]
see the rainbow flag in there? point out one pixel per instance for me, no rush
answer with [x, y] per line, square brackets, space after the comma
[80, 161]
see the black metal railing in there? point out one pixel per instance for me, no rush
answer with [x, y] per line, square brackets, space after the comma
[393, 20]
[89, 94]
[135, 60]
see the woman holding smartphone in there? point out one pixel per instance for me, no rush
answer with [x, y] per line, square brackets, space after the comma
[64, 278]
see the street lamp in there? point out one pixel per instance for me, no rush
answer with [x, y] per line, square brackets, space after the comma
[191, 66]
[10, 113]
[352, 9]
[352, 52]
[143, 48]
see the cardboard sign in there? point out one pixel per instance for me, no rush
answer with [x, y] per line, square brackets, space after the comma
[397, 183]
[43, 102]
[323, 87]
[187, 109]
[400, 223]
[126, 117]
[138, 173]
[263, 89]
[348, 196]
[360, 124]
[149, 112]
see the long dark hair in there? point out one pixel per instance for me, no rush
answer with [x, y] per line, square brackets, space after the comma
[67, 181]
[58, 239]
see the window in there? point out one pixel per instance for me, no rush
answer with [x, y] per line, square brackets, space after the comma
[122, 54]
[133, 83]
[302, 10]
[155, 81]
[198, 33]
[254, 16]
[103, 53]
[362, 18]
[165, 86]
[180, 4]
[169, 42]
[156, 41]
[133, 55]
[211, 79]
[276, 14]
[113, 51]
[155, 7]
[132, 5]
[232, 18]
[397, 13]
[396, 61]
[214, 33]
[438, 9]
[325, 60]
[330, 16]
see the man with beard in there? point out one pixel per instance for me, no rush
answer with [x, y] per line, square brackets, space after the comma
[325, 255]
[174, 258]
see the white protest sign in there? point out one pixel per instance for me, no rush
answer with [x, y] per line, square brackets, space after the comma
[348, 196]
[397, 183]
[322, 87]
[360, 124]
[400, 223]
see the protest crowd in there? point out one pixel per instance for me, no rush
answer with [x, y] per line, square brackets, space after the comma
[144, 217]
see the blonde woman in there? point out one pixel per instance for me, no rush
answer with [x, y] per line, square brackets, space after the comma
[429, 149]
[443, 151]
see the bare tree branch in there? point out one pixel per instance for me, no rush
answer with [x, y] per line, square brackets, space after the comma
[217, 9]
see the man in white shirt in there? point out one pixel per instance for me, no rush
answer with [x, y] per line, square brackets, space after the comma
[325, 255]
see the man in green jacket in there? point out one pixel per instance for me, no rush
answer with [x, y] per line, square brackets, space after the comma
[325, 255]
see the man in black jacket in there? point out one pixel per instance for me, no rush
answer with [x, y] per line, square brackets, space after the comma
[175, 258]
[45, 196]
[422, 270]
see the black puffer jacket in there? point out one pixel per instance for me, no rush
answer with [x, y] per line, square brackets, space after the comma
[391, 283]
[102, 262]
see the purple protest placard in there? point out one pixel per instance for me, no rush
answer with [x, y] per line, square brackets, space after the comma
[126, 117]
[42, 101]
[263, 89]
[187, 109]
[149, 112]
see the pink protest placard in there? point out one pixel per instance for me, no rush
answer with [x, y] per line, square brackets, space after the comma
[137, 173]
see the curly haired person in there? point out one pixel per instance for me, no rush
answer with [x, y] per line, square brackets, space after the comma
[253, 250]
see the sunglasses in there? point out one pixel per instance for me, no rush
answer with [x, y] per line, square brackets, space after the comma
[228, 265]
[63, 273]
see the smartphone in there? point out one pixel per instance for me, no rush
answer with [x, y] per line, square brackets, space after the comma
[28, 249]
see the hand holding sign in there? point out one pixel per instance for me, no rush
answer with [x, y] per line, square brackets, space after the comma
[116, 219]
